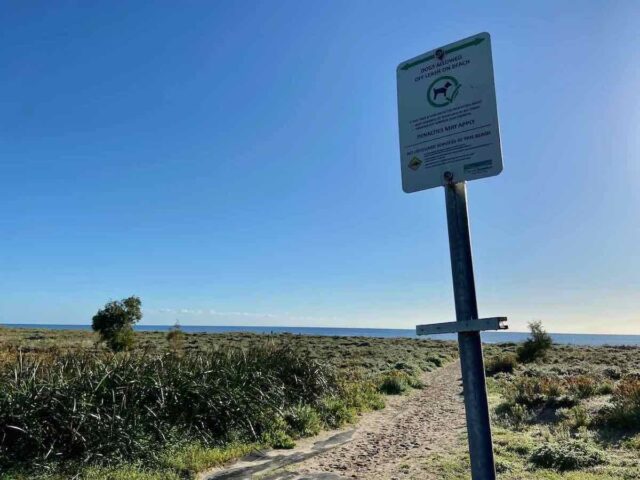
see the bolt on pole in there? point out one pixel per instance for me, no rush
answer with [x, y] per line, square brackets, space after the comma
[471, 359]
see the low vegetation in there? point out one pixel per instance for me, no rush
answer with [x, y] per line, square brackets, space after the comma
[173, 404]
[559, 412]
[501, 363]
[179, 403]
[624, 411]
[570, 454]
[90, 408]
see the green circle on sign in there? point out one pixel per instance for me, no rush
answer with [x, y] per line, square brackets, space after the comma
[442, 91]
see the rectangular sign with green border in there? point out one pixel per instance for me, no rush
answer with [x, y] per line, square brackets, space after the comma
[448, 116]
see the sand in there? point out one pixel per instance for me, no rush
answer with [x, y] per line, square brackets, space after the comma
[392, 443]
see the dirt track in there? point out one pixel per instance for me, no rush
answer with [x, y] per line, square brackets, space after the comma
[393, 442]
[389, 444]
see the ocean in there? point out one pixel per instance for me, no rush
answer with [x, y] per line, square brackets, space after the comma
[487, 337]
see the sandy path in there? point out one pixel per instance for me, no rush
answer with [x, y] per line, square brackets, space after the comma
[392, 443]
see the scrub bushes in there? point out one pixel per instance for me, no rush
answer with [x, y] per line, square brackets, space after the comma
[504, 363]
[95, 407]
[567, 455]
[624, 412]
[536, 346]
[394, 383]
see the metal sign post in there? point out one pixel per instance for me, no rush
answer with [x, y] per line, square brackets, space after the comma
[449, 133]
[471, 360]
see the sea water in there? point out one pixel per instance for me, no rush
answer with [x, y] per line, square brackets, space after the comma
[487, 337]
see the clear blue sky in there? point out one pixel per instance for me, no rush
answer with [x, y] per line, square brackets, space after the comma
[237, 163]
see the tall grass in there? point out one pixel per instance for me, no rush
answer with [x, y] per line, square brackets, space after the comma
[102, 408]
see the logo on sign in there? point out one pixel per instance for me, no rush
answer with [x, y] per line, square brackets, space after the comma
[415, 163]
[443, 91]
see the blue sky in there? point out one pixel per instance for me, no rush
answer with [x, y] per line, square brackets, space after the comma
[237, 163]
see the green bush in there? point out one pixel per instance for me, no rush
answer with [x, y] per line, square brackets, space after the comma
[95, 407]
[279, 439]
[336, 412]
[114, 323]
[504, 363]
[605, 388]
[303, 421]
[361, 395]
[353, 396]
[632, 443]
[536, 346]
[513, 414]
[394, 383]
[575, 417]
[437, 361]
[567, 455]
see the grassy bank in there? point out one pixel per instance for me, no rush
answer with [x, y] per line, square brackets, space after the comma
[574, 414]
[169, 409]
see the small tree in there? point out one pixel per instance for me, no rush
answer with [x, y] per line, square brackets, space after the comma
[536, 345]
[115, 322]
[175, 337]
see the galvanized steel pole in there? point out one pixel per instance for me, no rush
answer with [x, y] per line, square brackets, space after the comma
[473, 377]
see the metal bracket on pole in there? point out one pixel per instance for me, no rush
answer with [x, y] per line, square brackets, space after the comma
[481, 324]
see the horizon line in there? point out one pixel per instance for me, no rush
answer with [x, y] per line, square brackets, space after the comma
[305, 327]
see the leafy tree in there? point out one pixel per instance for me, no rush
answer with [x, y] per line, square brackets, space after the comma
[536, 345]
[115, 322]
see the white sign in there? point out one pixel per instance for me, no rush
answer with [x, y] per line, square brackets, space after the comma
[447, 115]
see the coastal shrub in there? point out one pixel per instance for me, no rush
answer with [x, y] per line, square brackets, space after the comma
[504, 363]
[612, 372]
[394, 383]
[569, 454]
[351, 397]
[504, 466]
[114, 323]
[176, 339]
[605, 388]
[336, 412]
[408, 368]
[196, 457]
[412, 373]
[303, 421]
[279, 439]
[361, 395]
[99, 408]
[624, 411]
[632, 443]
[535, 391]
[582, 386]
[513, 414]
[437, 361]
[536, 346]
[575, 417]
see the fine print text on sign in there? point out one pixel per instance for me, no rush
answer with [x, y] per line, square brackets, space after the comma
[447, 115]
